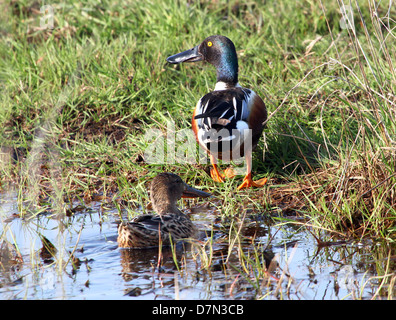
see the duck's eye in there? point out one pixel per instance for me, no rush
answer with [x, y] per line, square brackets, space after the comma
[210, 43]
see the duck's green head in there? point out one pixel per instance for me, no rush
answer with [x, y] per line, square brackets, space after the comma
[218, 51]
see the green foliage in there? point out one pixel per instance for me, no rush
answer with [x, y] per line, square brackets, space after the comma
[88, 89]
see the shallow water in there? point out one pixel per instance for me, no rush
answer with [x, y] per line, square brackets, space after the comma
[101, 270]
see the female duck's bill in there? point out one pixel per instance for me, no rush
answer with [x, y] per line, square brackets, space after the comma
[190, 192]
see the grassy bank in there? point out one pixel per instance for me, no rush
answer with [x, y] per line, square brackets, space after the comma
[80, 93]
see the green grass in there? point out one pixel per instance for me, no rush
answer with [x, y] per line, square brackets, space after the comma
[77, 100]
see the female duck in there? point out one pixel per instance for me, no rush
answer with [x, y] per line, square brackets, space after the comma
[170, 224]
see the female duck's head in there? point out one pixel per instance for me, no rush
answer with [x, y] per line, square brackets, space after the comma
[167, 188]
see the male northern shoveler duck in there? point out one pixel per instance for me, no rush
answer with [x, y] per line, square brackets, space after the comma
[228, 121]
[150, 230]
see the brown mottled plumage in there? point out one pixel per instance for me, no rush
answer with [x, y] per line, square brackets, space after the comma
[152, 230]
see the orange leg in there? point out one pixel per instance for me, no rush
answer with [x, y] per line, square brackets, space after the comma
[214, 172]
[247, 181]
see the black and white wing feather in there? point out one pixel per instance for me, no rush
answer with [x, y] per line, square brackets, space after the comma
[222, 116]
